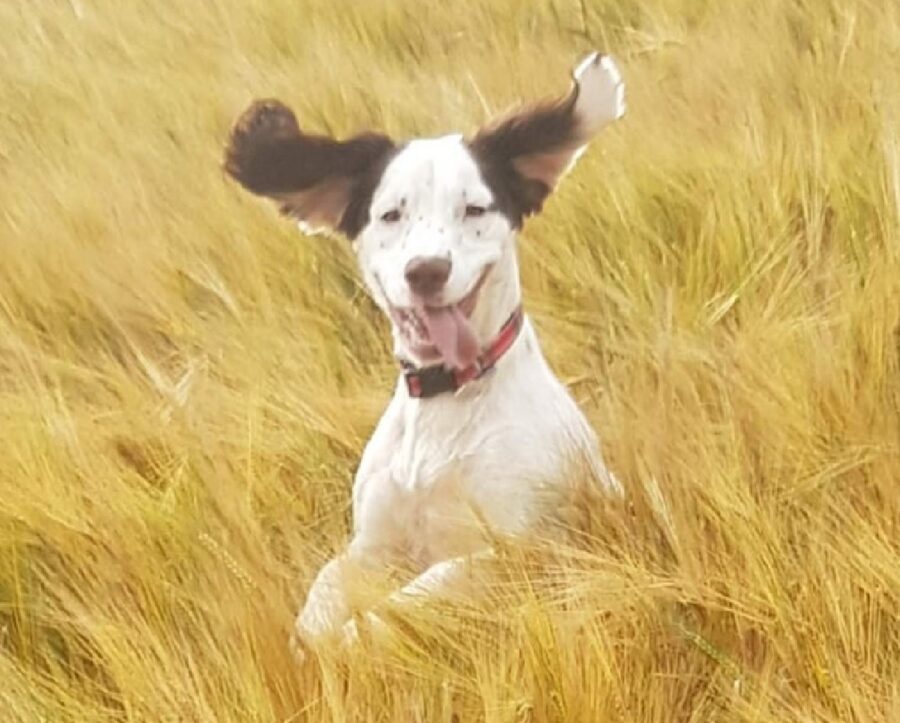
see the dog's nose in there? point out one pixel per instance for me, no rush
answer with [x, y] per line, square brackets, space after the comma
[427, 275]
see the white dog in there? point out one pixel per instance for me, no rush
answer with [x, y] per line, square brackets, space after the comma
[479, 434]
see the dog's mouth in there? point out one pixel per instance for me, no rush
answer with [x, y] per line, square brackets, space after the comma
[442, 332]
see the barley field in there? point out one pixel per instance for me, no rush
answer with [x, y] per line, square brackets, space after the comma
[186, 381]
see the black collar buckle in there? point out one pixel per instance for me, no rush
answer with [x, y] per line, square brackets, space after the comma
[429, 381]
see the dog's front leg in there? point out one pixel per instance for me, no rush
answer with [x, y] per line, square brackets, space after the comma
[329, 603]
[375, 541]
[454, 578]
[326, 606]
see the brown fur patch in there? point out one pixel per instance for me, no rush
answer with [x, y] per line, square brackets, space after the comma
[315, 178]
[522, 155]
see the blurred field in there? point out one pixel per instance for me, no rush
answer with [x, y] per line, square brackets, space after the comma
[186, 382]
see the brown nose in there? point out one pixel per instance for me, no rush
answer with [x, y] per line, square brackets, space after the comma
[427, 275]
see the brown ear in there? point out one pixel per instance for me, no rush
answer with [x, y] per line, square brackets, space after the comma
[523, 156]
[322, 182]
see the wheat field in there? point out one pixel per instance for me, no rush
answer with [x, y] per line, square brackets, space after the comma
[186, 382]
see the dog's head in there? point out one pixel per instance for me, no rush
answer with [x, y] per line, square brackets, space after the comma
[433, 220]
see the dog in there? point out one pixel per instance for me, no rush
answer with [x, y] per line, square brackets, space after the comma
[479, 434]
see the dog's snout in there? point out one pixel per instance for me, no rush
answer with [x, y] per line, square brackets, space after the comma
[427, 275]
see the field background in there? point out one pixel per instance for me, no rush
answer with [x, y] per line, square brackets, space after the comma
[186, 382]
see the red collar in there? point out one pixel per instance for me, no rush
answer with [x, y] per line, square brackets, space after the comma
[431, 381]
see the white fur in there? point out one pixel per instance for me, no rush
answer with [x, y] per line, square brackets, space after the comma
[440, 474]
[601, 92]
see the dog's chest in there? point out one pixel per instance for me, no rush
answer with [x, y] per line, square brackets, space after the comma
[458, 477]
[485, 435]
[441, 475]
[484, 457]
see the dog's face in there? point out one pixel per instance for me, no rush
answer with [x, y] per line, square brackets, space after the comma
[430, 220]
[433, 235]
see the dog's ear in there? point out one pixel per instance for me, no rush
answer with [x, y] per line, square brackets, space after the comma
[523, 155]
[324, 183]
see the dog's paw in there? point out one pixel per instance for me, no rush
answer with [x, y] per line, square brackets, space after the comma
[601, 90]
[309, 629]
[298, 648]
[369, 625]
[350, 634]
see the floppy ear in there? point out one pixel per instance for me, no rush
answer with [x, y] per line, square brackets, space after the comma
[323, 183]
[523, 156]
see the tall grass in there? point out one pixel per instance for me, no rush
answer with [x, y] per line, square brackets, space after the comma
[186, 382]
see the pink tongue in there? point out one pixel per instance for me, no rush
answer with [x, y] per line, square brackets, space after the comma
[452, 334]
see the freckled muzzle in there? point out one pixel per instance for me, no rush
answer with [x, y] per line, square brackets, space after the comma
[442, 332]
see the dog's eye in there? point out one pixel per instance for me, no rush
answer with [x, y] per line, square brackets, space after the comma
[473, 211]
[391, 216]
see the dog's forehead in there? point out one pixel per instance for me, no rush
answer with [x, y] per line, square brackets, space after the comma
[431, 164]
